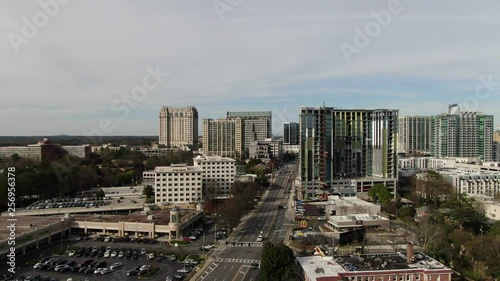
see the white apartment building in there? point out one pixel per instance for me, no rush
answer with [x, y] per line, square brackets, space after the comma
[148, 177]
[177, 184]
[266, 149]
[463, 163]
[474, 184]
[179, 127]
[492, 209]
[218, 174]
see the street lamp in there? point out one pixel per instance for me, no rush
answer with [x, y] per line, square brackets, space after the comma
[62, 229]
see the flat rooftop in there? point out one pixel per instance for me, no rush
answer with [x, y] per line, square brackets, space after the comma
[161, 217]
[25, 224]
[317, 266]
[177, 168]
[357, 217]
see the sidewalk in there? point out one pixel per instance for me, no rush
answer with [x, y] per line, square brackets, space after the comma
[198, 273]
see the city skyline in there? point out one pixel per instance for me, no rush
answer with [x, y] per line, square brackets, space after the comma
[69, 75]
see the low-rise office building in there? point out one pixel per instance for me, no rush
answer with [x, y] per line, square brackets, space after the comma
[341, 206]
[414, 266]
[218, 174]
[177, 184]
[265, 149]
[33, 232]
[81, 151]
[492, 209]
[355, 221]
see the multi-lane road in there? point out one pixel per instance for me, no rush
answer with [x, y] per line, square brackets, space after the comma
[232, 260]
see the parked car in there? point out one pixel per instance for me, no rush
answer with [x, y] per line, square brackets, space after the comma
[183, 270]
[132, 272]
[71, 253]
[116, 265]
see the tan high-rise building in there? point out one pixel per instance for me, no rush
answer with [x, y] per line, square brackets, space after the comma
[257, 125]
[223, 137]
[496, 136]
[179, 127]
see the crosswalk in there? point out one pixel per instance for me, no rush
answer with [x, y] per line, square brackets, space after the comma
[245, 244]
[236, 260]
[209, 270]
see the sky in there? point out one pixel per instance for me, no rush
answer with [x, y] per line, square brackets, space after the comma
[107, 67]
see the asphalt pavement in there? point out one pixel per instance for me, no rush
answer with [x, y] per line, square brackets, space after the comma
[232, 260]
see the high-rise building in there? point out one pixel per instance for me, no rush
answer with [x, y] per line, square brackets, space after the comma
[496, 151]
[496, 137]
[218, 174]
[257, 125]
[343, 144]
[415, 134]
[291, 133]
[223, 137]
[462, 134]
[179, 127]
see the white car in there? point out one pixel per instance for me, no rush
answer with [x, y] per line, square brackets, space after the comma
[183, 270]
[107, 254]
[151, 256]
[322, 219]
[116, 265]
[143, 251]
[60, 267]
[38, 265]
[105, 271]
[71, 253]
[145, 267]
[107, 239]
[260, 238]
[113, 254]
[120, 254]
[208, 247]
[99, 270]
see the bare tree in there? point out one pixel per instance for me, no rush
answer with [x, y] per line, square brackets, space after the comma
[429, 234]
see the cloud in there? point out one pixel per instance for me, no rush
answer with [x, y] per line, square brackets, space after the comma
[263, 56]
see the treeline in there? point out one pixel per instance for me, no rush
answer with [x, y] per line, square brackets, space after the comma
[68, 175]
[459, 235]
[78, 140]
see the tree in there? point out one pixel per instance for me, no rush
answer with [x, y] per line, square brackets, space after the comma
[466, 213]
[431, 234]
[100, 194]
[407, 212]
[148, 191]
[278, 263]
[15, 157]
[380, 193]
[431, 187]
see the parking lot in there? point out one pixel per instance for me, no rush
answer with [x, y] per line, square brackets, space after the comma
[71, 263]
[84, 202]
